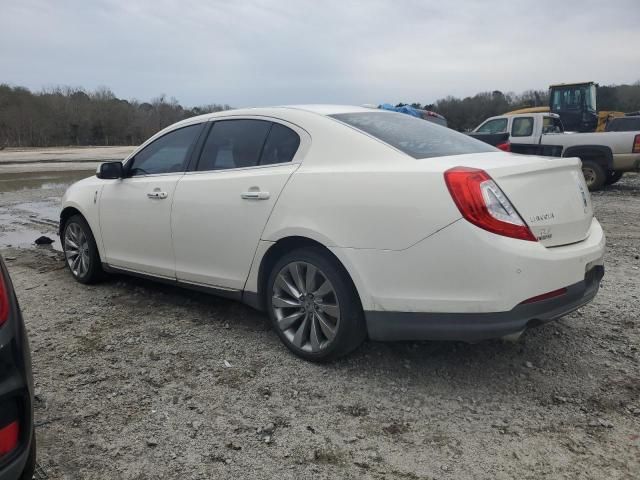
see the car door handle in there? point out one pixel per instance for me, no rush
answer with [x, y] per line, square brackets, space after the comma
[157, 195]
[254, 195]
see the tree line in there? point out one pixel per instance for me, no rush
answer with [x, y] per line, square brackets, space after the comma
[64, 116]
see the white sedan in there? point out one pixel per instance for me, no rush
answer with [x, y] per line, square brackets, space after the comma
[344, 223]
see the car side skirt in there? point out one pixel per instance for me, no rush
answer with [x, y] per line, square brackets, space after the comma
[218, 291]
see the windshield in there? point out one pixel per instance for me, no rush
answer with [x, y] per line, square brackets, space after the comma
[574, 97]
[413, 136]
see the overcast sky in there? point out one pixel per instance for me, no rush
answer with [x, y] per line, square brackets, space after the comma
[247, 53]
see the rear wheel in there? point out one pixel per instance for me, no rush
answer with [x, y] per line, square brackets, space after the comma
[313, 305]
[594, 175]
[613, 177]
[80, 251]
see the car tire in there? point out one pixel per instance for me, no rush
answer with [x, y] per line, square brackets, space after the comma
[594, 175]
[613, 177]
[313, 305]
[80, 251]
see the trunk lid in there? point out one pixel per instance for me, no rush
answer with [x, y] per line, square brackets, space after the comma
[549, 193]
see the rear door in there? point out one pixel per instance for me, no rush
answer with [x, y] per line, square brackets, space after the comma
[221, 208]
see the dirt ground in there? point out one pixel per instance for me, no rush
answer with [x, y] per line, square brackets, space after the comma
[136, 380]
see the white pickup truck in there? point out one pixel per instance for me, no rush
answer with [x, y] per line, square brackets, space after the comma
[605, 155]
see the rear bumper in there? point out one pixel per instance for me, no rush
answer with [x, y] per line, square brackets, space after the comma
[473, 327]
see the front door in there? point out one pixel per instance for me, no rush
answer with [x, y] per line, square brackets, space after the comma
[135, 212]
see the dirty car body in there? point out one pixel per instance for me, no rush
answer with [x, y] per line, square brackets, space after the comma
[413, 230]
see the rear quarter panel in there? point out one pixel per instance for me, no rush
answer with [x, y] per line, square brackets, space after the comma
[354, 191]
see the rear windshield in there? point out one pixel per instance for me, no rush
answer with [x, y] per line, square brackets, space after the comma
[414, 136]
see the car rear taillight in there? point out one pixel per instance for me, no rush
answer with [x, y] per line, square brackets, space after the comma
[504, 146]
[9, 437]
[482, 203]
[636, 144]
[4, 301]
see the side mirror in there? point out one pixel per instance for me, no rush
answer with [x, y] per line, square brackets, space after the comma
[110, 171]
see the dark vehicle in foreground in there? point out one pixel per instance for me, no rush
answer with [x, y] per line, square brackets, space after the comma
[17, 440]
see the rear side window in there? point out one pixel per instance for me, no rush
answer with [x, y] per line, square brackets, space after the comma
[282, 145]
[413, 136]
[247, 143]
[499, 125]
[522, 127]
[234, 144]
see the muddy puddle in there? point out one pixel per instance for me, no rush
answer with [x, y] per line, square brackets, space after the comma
[30, 206]
[10, 182]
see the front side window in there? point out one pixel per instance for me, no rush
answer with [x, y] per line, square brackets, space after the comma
[522, 127]
[234, 144]
[499, 125]
[413, 136]
[167, 154]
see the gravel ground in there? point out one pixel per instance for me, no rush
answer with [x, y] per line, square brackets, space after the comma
[137, 380]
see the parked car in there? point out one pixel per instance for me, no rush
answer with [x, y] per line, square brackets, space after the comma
[17, 440]
[343, 223]
[623, 124]
[605, 156]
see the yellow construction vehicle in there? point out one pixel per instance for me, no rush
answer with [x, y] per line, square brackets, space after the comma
[576, 105]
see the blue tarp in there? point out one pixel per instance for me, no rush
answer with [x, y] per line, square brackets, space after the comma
[406, 109]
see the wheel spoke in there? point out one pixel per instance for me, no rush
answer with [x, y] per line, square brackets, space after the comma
[314, 336]
[76, 263]
[280, 302]
[294, 270]
[70, 243]
[328, 330]
[332, 310]
[287, 287]
[302, 333]
[323, 290]
[287, 322]
[310, 278]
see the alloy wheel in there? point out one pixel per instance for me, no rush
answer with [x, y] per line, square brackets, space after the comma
[76, 250]
[305, 306]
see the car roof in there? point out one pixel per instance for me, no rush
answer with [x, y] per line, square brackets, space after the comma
[319, 109]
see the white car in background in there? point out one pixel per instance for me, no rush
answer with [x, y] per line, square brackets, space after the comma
[344, 223]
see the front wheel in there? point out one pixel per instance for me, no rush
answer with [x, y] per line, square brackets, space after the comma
[594, 175]
[313, 305]
[80, 251]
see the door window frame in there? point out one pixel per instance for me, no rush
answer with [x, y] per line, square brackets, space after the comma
[189, 156]
[303, 147]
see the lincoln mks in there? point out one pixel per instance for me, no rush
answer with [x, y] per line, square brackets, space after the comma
[344, 223]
